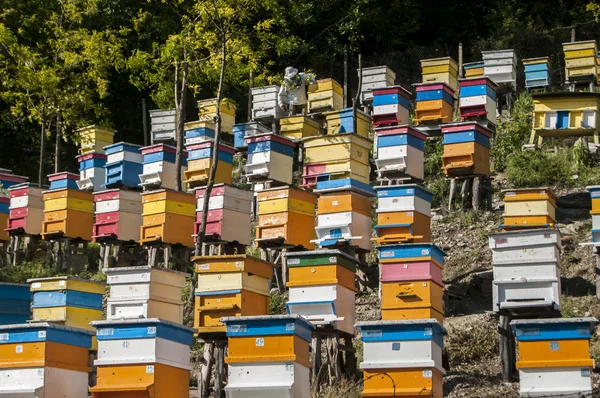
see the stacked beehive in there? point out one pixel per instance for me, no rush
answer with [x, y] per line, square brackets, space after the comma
[230, 286]
[198, 132]
[435, 102]
[477, 100]
[15, 303]
[159, 166]
[44, 360]
[595, 212]
[264, 104]
[322, 288]
[391, 106]
[207, 111]
[229, 214]
[325, 95]
[342, 121]
[298, 127]
[466, 149]
[243, 130]
[26, 209]
[118, 215]
[375, 77]
[124, 164]
[501, 67]
[93, 139]
[200, 163]
[92, 158]
[580, 61]
[525, 256]
[268, 357]
[162, 125]
[7, 180]
[399, 152]
[168, 217]
[270, 158]
[68, 212]
[402, 358]
[473, 69]
[554, 356]
[537, 72]
[440, 70]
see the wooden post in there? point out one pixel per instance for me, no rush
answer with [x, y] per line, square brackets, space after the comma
[460, 60]
[572, 35]
[332, 358]
[346, 78]
[350, 358]
[145, 122]
[477, 193]
[507, 348]
[466, 193]
[220, 374]
[597, 255]
[250, 79]
[205, 371]
[284, 270]
[316, 359]
[452, 193]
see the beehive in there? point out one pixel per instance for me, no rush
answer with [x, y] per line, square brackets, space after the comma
[144, 292]
[4, 216]
[440, 70]
[8, 179]
[68, 213]
[158, 170]
[168, 217]
[243, 130]
[321, 267]
[391, 106]
[477, 99]
[375, 77]
[118, 215]
[580, 60]
[15, 303]
[264, 103]
[408, 353]
[500, 66]
[26, 209]
[554, 356]
[124, 164]
[229, 213]
[44, 360]
[235, 285]
[63, 180]
[537, 72]
[162, 125]
[268, 357]
[286, 213]
[595, 212]
[198, 132]
[207, 111]
[529, 208]
[270, 157]
[336, 157]
[564, 114]
[435, 103]
[526, 276]
[473, 69]
[342, 121]
[200, 163]
[94, 139]
[91, 171]
[325, 95]
[466, 149]
[399, 151]
[298, 127]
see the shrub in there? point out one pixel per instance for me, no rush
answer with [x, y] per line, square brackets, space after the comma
[476, 339]
[537, 168]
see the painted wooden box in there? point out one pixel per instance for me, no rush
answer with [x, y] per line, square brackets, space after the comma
[529, 208]
[268, 380]
[435, 103]
[244, 130]
[537, 72]
[466, 149]
[375, 77]
[118, 215]
[15, 303]
[43, 382]
[162, 125]
[198, 132]
[335, 157]
[94, 138]
[500, 66]
[478, 99]
[143, 341]
[473, 69]
[168, 217]
[267, 339]
[200, 162]
[321, 267]
[410, 253]
[123, 166]
[399, 151]
[411, 299]
[8, 179]
[595, 212]
[264, 103]
[404, 382]
[413, 271]
[325, 95]
[580, 60]
[158, 170]
[391, 106]
[554, 358]
[63, 180]
[26, 209]
[207, 111]
[404, 198]
[343, 200]
[402, 227]
[342, 121]
[286, 213]
[348, 226]
[91, 171]
[4, 216]
[440, 70]
[69, 213]
[298, 127]
[270, 157]
[324, 305]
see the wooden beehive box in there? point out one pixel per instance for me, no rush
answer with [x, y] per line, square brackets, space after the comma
[435, 103]
[168, 217]
[399, 151]
[440, 70]
[159, 169]
[537, 72]
[325, 95]
[298, 127]
[91, 171]
[466, 149]
[118, 215]
[580, 60]
[391, 106]
[529, 208]
[270, 157]
[68, 213]
[94, 138]
[200, 163]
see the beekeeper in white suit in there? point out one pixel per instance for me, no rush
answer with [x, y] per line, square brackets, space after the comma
[292, 97]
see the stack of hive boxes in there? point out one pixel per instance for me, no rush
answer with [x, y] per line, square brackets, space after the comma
[325, 95]
[118, 215]
[44, 360]
[402, 358]
[229, 214]
[537, 72]
[501, 67]
[124, 164]
[375, 77]
[207, 111]
[298, 127]
[200, 162]
[264, 104]
[473, 69]
[477, 100]
[92, 158]
[7, 181]
[525, 256]
[440, 70]
[554, 356]
[243, 130]
[68, 212]
[168, 217]
[15, 303]
[159, 167]
[287, 214]
[391, 106]
[435, 102]
[400, 152]
[322, 288]
[580, 61]
[162, 125]
[270, 158]
[26, 209]
[198, 132]
[230, 286]
[595, 212]
[143, 348]
[466, 149]
[342, 121]
[268, 357]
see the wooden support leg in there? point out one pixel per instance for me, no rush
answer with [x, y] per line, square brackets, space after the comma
[477, 197]
[452, 193]
[284, 268]
[466, 194]
[317, 361]
[597, 255]
[152, 251]
[332, 358]
[220, 374]
[350, 358]
[205, 371]
[507, 348]
[167, 256]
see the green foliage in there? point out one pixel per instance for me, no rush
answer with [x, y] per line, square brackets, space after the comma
[278, 301]
[434, 175]
[537, 168]
[37, 269]
[474, 340]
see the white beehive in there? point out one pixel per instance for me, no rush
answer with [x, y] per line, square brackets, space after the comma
[264, 103]
[268, 380]
[375, 77]
[347, 226]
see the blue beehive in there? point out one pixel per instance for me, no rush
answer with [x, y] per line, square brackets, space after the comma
[71, 298]
[45, 332]
[273, 325]
[63, 180]
[457, 133]
[123, 166]
[537, 72]
[205, 153]
[411, 252]
[243, 130]
[344, 183]
[143, 329]
[8, 179]
[15, 303]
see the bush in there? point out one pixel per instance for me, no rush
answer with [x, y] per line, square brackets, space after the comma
[277, 306]
[434, 174]
[537, 168]
[474, 340]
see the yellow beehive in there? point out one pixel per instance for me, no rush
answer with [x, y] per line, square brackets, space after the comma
[403, 382]
[434, 110]
[94, 139]
[580, 59]
[466, 158]
[403, 227]
[198, 172]
[68, 212]
[322, 275]
[41, 354]
[325, 95]
[339, 202]
[412, 295]
[440, 70]
[3, 224]
[207, 111]
[285, 348]
[529, 208]
[210, 308]
[297, 127]
[161, 223]
[339, 122]
[555, 353]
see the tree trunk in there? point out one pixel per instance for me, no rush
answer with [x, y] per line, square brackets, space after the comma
[58, 142]
[42, 172]
[180, 101]
[357, 96]
[215, 154]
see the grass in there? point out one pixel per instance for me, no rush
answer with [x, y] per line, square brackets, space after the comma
[476, 339]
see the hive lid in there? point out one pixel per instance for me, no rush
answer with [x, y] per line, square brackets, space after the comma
[557, 321]
[145, 321]
[119, 270]
[409, 322]
[63, 278]
[42, 325]
[321, 253]
[269, 325]
[14, 284]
